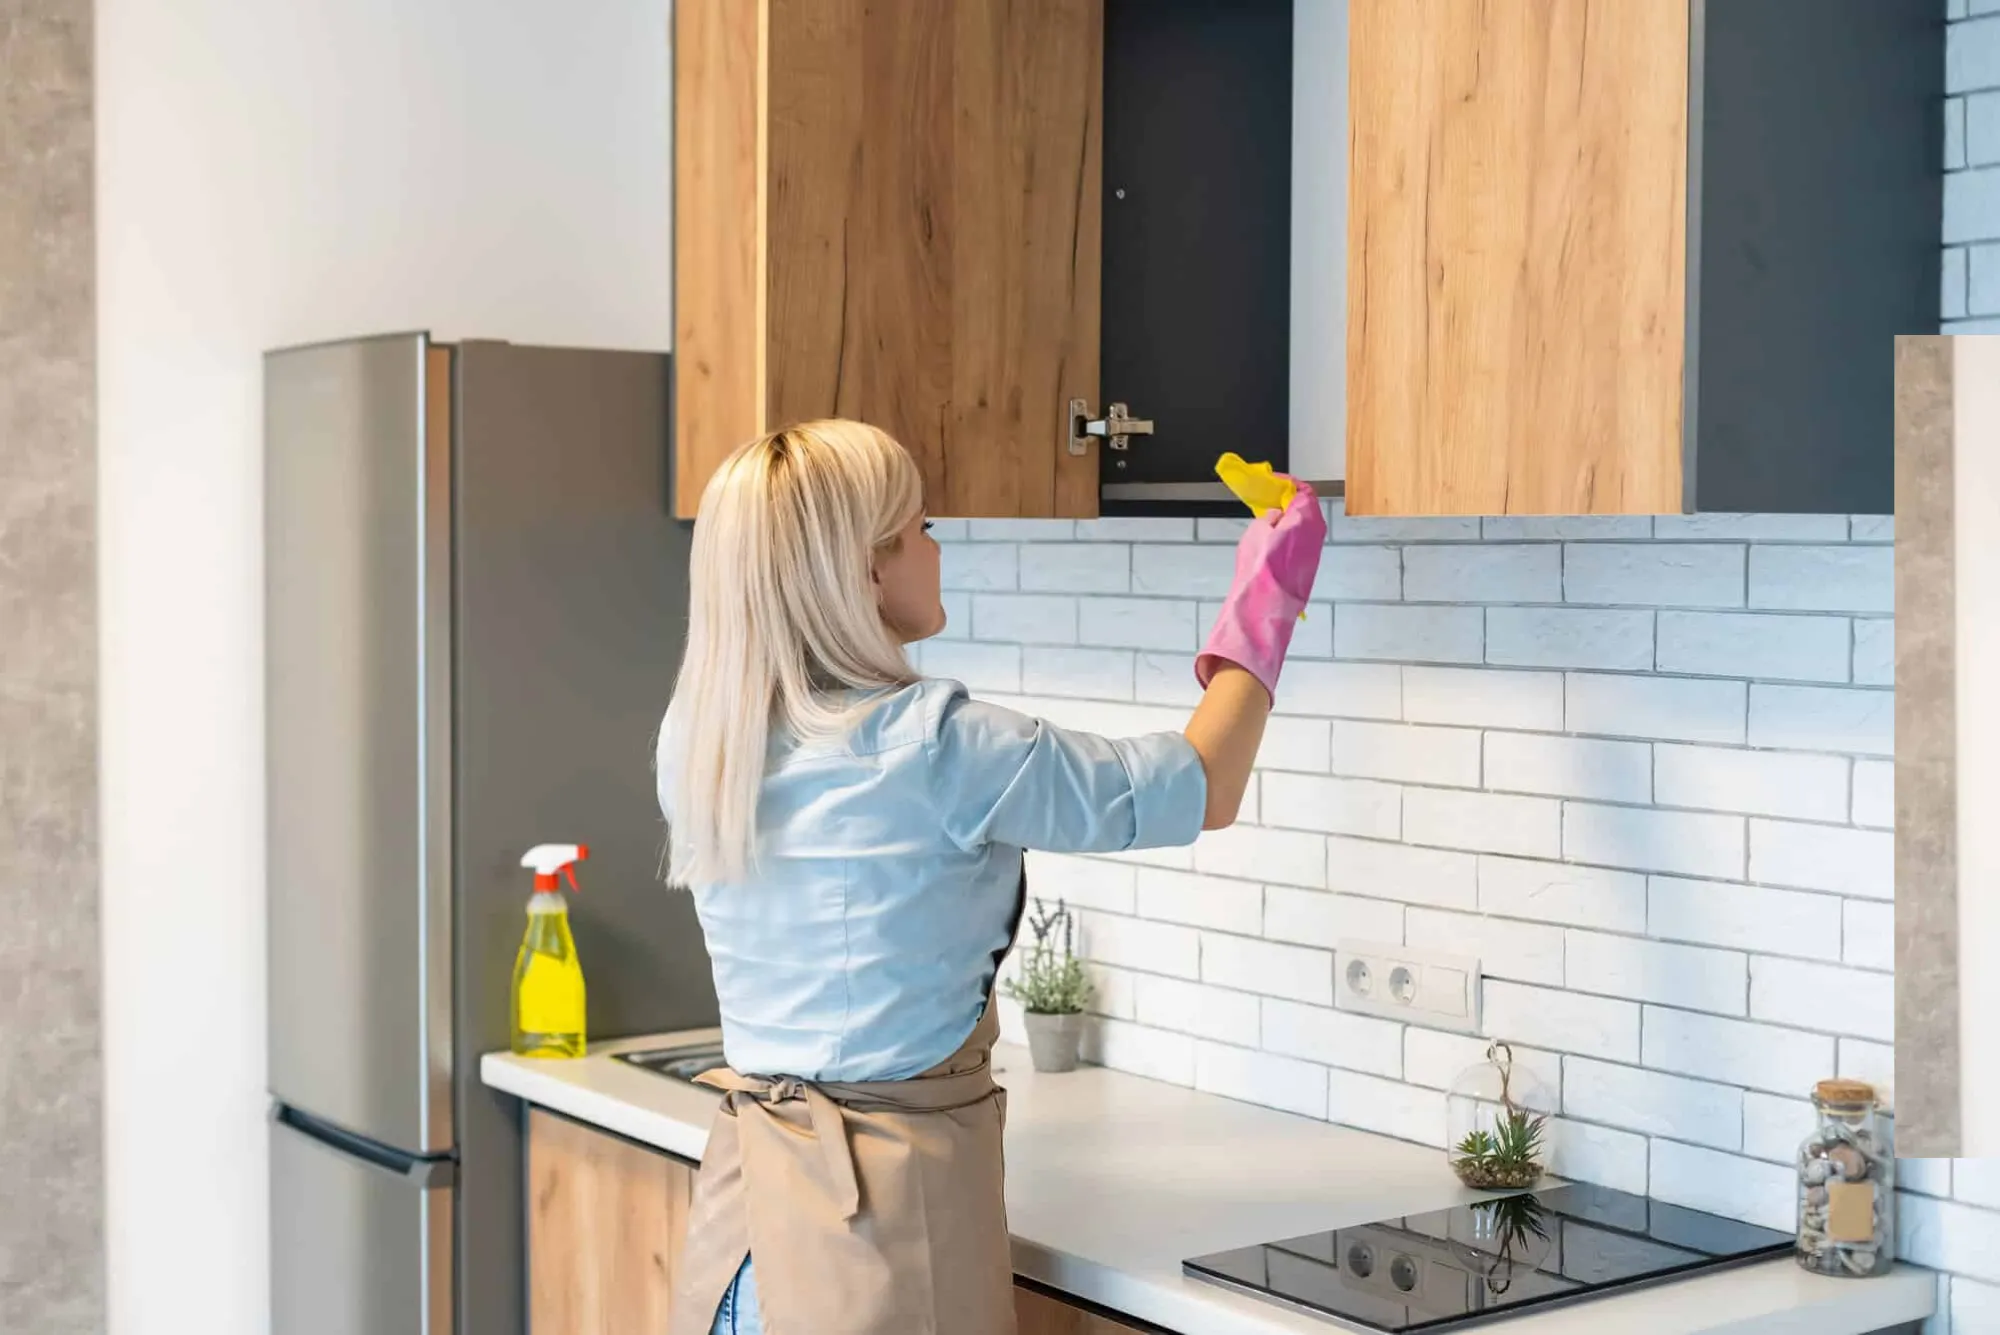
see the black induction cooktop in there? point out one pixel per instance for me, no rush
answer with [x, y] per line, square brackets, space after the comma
[1492, 1259]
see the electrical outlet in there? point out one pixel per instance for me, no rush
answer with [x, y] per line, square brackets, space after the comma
[1399, 983]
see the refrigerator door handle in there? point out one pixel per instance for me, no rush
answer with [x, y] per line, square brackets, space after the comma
[425, 1173]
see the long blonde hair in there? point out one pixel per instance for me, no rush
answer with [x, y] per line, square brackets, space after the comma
[783, 624]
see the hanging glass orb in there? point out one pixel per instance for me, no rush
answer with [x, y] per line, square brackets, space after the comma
[1498, 1123]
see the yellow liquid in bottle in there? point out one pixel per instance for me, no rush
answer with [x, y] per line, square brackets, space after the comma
[548, 984]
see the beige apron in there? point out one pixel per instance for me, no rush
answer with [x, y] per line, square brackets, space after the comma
[872, 1207]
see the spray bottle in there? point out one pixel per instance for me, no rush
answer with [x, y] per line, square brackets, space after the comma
[548, 979]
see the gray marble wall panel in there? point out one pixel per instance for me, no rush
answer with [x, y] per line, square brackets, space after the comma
[1927, 1085]
[51, 1131]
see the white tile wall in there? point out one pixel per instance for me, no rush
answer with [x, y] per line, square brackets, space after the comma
[1722, 677]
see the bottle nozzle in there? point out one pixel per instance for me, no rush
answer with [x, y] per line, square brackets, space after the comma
[551, 861]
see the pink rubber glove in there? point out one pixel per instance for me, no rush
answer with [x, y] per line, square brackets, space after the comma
[1276, 563]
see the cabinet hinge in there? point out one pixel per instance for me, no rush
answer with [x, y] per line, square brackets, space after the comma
[1117, 426]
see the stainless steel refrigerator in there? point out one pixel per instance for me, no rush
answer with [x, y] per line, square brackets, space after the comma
[475, 602]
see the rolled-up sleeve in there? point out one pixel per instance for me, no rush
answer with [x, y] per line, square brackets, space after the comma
[1002, 777]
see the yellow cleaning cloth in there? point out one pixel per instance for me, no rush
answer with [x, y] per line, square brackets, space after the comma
[1256, 486]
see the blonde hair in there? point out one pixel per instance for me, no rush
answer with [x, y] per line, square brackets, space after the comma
[783, 623]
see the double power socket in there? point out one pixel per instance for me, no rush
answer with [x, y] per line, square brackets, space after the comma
[1401, 983]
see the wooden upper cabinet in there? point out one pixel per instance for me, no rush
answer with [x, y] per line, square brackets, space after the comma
[889, 210]
[1635, 256]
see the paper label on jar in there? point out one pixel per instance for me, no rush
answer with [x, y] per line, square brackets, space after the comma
[1850, 1211]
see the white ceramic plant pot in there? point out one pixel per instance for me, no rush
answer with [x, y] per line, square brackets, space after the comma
[1052, 1041]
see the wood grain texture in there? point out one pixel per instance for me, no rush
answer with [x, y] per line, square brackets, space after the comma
[719, 207]
[1039, 1314]
[930, 255]
[1517, 257]
[606, 1220]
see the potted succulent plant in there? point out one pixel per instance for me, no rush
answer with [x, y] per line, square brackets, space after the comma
[1052, 988]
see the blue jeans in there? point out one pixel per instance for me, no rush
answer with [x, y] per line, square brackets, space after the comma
[739, 1314]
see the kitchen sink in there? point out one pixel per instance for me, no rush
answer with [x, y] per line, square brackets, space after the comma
[682, 1062]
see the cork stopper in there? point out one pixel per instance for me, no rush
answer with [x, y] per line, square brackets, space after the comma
[1844, 1093]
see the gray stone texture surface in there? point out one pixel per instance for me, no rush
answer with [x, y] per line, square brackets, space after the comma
[1927, 1092]
[51, 1081]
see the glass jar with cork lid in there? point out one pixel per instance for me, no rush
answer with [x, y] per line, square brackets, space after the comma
[1847, 1185]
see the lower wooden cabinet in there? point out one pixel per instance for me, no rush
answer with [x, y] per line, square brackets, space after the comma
[1042, 1314]
[606, 1219]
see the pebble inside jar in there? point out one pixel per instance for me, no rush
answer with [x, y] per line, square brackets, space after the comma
[1847, 1185]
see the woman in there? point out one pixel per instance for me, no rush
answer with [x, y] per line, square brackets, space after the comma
[853, 837]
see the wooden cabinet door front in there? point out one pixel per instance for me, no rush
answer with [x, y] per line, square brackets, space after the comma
[606, 1220]
[1040, 1314]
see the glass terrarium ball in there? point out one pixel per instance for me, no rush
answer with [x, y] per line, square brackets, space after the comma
[1499, 1123]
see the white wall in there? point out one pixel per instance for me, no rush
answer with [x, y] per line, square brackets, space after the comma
[270, 174]
[1976, 586]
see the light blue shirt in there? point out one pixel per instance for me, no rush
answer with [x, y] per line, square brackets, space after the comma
[863, 948]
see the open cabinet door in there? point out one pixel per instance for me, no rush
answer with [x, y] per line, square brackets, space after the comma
[890, 210]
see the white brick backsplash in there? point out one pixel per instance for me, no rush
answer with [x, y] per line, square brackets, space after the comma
[1874, 1063]
[1971, 205]
[978, 566]
[1135, 528]
[1400, 633]
[1868, 938]
[1570, 637]
[1724, 1184]
[1530, 528]
[1872, 528]
[1773, 1128]
[1183, 571]
[1435, 1059]
[1953, 284]
[1342, 527]
[1341, 690]
[1291, 743]
[1260, 1077]
[1736, 1052]
[1134, 943]
[1528, 952]
[1088, 883]
[1691, 843]
[1484, 698]
[1825, 997]
[1297, 973]
[1333, 806]
[1369, 574]
[1567, 1021]
[1874, 652]
[1406, 753]
[1200, 901]
[1949, 1235]
[1157, 1054]
[948, 531]
[1248, 853]
[1926, 1177]
[1657, 1104]
[980, 667]
[1693, 977]
[1091, 674]
[957, 615]
[1670, 708]
[1387, 1107]
[1824, 718]
[1397, 871]
[1113, 991]
[1024, 618]
[1973, 1306]
[1333, 1038]
[1823, 579]
[1137, 623]
[1315, 918]
[1195, 1008]
[1756, 783]
[1022, 530]
[1971, 56]
[1586, 1153]
[1483, 822]
[1750, 528]
[1755, 644]
[1976, 1181]
[1166, 679]
[1483, 573]
[1823, 857]
[1220, 530]
[1069, 567]
[1653, 574]
[1563, 893]
[1744, 917]
[1527, 762]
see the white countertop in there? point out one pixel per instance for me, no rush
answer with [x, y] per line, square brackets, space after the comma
[1113, 1180]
